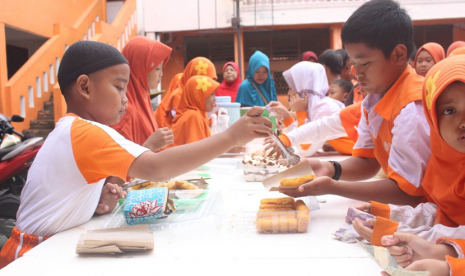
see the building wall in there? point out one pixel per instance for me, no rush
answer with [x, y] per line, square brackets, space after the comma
[45, 13]
[216, 14]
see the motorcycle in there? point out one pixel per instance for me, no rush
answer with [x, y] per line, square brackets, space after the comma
[16, 156]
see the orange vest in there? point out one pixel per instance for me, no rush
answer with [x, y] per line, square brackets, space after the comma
[407, 89]
[350, 117]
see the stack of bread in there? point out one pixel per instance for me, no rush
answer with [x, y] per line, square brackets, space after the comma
[282, 215]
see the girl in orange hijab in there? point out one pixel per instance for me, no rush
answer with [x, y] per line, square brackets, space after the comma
[198, 97]
[444, 180]
[199, 66]
[160, 113]
[455, 45]
[146, 59]
[427, 56]
[458, 51]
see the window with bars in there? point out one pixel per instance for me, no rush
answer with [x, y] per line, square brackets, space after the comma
[441, 34]
[286, 44]
[281, 85]
[218, 48]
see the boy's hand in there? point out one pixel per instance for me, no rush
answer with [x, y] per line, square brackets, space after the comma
[279, 109]
[271, 144]
[319, 186]
[161, 138]
[364, 231]
[365, 207]
[250, 126]
[433, 267]
[415, 248]
[298, 104]
[111, 193]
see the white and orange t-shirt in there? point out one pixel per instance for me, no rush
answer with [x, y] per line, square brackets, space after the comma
[393, 129]
[66, 179]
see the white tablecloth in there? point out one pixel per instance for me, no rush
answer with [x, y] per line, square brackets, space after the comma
[200, 249]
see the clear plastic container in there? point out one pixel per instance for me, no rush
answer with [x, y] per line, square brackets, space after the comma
[192, 206]
[220, 166]
[259, 173]
[237, 212]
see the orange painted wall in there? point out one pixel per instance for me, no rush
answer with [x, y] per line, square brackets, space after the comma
[38, 16]
[84, 18]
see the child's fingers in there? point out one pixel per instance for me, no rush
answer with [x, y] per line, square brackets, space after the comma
[362, 230]
[102, 208]
[389, 240]
[252, 112]
[404, 237]
[261, 120]
[404, 264]
[365, 207]
[398, 250]
[266, 130]
[403, 260]
[371, 222]
[110, 188]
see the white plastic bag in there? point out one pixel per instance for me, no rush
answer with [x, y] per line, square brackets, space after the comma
[223, 120]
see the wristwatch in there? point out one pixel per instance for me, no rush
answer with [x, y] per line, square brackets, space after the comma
[337, 170]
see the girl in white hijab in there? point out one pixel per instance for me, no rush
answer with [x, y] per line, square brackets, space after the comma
[308, 86]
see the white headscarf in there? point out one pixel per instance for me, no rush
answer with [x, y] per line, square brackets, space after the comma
[310, 78]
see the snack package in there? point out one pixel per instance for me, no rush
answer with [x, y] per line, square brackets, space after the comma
[145, 206]
[282, 215]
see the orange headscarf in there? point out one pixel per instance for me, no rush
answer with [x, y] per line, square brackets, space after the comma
[143, 55]
[192, 124]
[458, 51]
[434, 49]
[198, 66]
[160, 113]
[444, 180]
[455, 45]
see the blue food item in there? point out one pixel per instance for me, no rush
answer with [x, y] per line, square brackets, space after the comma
[145, 206]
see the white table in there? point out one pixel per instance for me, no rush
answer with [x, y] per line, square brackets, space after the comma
[200, 249]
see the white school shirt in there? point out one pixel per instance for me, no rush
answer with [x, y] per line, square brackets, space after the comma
[66, 179]
[410, 149]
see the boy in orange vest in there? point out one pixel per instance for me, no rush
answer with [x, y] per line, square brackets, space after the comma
[441, 215]
[393, 131]
[66, 183]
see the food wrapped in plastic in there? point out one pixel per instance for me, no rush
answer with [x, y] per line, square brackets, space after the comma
[145, 206]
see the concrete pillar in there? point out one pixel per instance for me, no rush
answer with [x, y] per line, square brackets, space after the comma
[236, 54]
[335, 36]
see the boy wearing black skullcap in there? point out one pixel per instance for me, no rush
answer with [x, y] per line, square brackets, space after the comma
[66, 183]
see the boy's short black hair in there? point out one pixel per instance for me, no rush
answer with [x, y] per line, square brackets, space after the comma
[414, 53]
[332, 60]
[380, 24]
[344, 55]
[344, 84]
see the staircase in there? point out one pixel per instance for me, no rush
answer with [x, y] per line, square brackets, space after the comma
[23, 93]
[45, 122]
